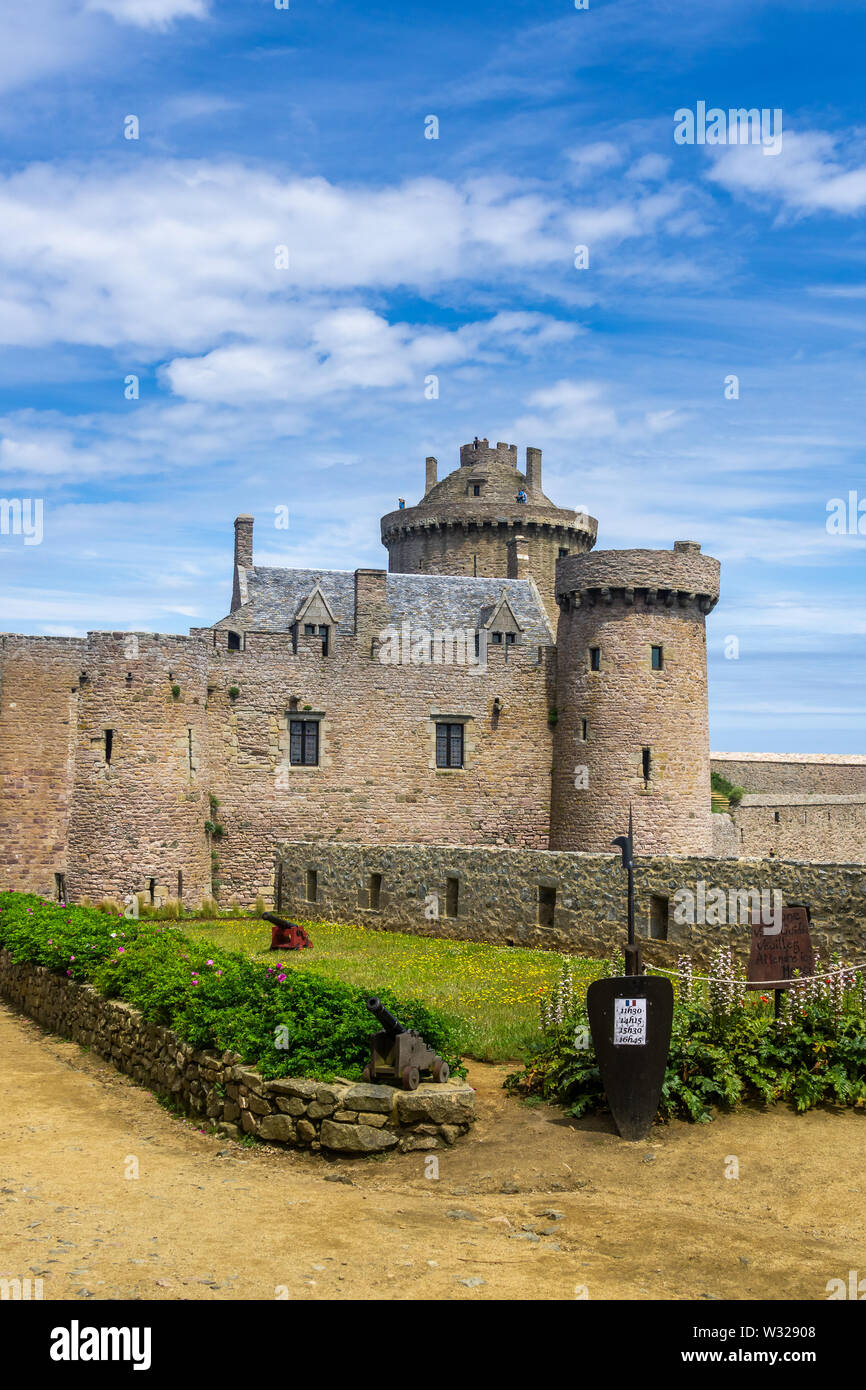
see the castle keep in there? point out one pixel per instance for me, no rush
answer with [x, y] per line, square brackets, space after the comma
[502, 684]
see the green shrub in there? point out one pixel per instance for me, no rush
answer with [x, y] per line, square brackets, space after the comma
[210, 997]
[726, 1047]
[718, 783]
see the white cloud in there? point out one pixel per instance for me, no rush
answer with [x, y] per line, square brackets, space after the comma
[150, 14]
[178, 256]
[349, 349]
[810, 174]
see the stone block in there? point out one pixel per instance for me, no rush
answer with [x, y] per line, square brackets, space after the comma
[356, 1138]
[290, 1105]
[277, 1127]
[440, 1104]
[369, 1097]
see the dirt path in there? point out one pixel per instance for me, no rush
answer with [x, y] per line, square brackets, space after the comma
[210, 1219]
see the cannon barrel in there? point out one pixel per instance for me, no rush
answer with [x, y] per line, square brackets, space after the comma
[387, 1020]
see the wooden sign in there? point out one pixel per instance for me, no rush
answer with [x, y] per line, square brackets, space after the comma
[775, 956]
[630, 1020]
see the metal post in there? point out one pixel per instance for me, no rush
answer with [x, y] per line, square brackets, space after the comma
[633, 962]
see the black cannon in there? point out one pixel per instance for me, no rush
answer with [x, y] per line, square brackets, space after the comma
[397, 1055]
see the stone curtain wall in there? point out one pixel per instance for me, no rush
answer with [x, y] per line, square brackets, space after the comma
[140, 817]
[780, 774]
[377, 776]
[111, 828]
[498, 897]
[830, 828]
[342, 1118]
[38, 716]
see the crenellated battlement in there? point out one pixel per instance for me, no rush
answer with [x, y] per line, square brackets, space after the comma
[480, 453]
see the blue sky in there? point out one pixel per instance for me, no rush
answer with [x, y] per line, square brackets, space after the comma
[263, 387]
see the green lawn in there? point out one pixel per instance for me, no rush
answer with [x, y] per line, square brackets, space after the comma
[491, 993]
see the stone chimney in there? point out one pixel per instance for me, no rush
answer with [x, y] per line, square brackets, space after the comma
[518, 558]
[533, 470]
[430, 477]
[243, 557]
[371, 607]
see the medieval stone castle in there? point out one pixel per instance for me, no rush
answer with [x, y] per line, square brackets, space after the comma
[503, 684]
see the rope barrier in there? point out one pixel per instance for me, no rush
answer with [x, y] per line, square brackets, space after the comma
[768, 984]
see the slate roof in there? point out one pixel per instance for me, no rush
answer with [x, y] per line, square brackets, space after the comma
[426, 600]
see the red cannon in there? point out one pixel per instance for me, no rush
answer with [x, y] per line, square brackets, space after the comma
[286, 936]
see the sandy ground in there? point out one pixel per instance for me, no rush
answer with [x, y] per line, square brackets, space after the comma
[531, 1206]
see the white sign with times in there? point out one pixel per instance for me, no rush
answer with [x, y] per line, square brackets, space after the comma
[629, 1022]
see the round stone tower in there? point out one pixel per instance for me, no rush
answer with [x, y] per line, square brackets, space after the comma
[464, 523]
[632, 721]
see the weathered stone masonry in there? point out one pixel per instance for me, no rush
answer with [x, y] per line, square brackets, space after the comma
[343, 1118]
[560, 901]
[112, 746]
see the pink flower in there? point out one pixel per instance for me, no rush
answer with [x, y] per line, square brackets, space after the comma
[121, 950]
[219, 972]
[210, 962]
[281, 978]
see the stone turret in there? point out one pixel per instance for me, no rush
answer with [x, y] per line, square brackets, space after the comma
[632, 723]
[464, 523]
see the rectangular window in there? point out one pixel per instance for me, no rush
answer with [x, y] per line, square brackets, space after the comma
[562, 552]
[449, 745]
[312, 886]
[452, 896]
[595, 658]
[658, 919]
[375, 889]
[179, 884]
[109, 745]
[584, 729]
[60, 886]
[323, 633]
[658, 658]
[646, 764]
[234, 641]
[309, 629]
[151, 889]
[546, 905]
[476, 490]
[510, 638]
[304, 742]
[496, 638]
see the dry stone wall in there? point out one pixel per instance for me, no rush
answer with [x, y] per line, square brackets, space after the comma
[340, 1117]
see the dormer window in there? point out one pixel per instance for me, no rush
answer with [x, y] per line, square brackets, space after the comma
[318, 630]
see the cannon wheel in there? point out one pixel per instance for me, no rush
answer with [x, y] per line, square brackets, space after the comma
[410, 1076]
[441, 1070]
